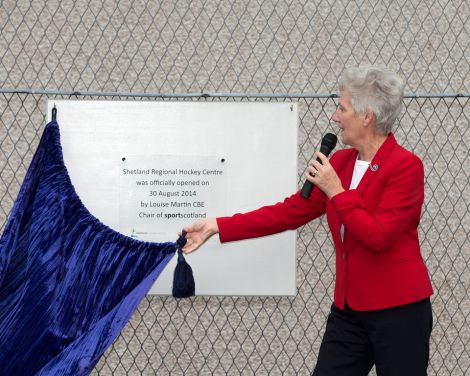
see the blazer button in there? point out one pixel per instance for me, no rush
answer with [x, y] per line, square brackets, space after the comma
[344, 256]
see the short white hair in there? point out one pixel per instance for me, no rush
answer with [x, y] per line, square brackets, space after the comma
[377, 90]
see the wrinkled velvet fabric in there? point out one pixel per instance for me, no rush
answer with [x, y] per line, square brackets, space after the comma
[68, 283]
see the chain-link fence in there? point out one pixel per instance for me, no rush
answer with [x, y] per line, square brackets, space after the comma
[245, 46]
[283, 47]
[280, 335]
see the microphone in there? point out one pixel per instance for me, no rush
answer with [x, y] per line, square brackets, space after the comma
[328, 143]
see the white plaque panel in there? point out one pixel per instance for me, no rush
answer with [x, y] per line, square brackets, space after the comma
[258, 143]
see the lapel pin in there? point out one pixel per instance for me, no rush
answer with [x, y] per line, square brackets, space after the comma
[374, 167]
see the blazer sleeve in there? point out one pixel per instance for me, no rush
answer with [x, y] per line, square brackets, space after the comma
[399, 207]
[290, 214]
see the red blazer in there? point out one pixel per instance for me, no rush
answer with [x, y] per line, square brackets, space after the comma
[379, 263]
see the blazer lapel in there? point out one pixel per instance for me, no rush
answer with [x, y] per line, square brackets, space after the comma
[377, 161]
[346, 171]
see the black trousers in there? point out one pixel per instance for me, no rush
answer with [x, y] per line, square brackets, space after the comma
[396, 340]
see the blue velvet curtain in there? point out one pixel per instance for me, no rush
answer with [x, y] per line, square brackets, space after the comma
[68, 283]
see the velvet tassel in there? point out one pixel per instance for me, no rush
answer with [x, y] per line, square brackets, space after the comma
[183, 279]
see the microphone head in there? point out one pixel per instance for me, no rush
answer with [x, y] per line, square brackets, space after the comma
[329, 141]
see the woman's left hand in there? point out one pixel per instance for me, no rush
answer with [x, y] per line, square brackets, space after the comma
[324, 176]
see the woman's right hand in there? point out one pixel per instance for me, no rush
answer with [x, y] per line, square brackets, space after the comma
[198, 233]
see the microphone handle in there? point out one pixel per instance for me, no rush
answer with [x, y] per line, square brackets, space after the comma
[307, 188]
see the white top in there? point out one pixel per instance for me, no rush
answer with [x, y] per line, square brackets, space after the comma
[360, 169]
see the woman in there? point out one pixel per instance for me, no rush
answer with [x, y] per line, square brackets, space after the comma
[372, 194]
